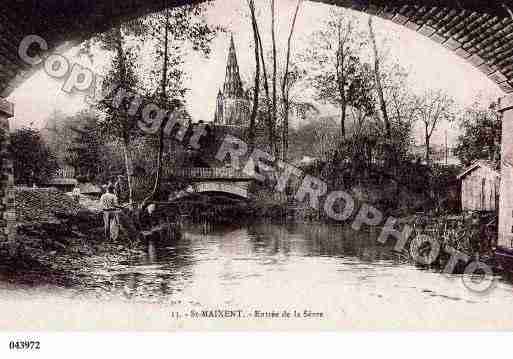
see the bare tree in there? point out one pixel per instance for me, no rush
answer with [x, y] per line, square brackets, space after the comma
[286, 85]
[433, 107]
[256, 90]
[270, 80]
[171, 29]
[118, 123]
[268, 115]
[339, 75]
[378, 81]
[274, 59]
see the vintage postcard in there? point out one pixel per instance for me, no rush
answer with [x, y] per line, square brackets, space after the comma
[256, 165]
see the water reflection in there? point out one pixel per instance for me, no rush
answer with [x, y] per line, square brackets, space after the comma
[215, 264]
[166, 270]
[314, 240]
[152, 252]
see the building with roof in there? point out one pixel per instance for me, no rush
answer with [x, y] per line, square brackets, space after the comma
[480, 185]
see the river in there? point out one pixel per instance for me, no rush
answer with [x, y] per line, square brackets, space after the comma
[310, 276]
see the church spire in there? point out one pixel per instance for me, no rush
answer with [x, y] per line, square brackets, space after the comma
[232, 83]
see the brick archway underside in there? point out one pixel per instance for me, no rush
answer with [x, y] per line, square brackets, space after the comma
[480, 31]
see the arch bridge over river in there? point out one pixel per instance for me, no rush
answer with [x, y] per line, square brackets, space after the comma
[206, 180]
[330, 269]
[480, 31]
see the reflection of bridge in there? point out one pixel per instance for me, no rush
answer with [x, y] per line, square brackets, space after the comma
[226, 181]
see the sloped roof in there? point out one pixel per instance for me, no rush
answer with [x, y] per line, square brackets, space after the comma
[41, 204]
[477, 164]
[63, 182]
[89, 188]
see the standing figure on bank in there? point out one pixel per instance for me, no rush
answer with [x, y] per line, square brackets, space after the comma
[76, 193]
[118, 187]
[109, 201]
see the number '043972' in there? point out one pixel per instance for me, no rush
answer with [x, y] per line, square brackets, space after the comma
[24, 345]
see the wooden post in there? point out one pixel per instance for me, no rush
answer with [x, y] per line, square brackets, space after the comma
[506, 188]
[7, 205]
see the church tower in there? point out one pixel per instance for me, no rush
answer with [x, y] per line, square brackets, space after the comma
[233, 105]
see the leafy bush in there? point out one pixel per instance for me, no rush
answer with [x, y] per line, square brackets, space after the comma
[33, 161]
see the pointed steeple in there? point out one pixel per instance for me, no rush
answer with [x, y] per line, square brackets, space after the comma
[232, 82]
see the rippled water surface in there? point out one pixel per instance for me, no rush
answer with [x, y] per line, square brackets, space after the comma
[225, 260]
[263, 263]
[347, 276]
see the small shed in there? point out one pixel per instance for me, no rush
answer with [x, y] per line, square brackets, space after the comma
[480, 185]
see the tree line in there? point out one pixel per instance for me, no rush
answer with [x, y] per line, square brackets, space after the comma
[345, 65]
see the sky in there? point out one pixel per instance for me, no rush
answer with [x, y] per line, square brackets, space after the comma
[430, 65]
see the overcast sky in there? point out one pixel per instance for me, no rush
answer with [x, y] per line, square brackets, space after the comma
[430, 65]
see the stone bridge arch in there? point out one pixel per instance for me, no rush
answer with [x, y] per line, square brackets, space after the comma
[238, 190]
[235, 189]
[480, 31]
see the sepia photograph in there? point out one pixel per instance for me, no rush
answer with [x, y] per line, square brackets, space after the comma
[255, 166]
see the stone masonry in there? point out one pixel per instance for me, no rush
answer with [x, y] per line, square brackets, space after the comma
[7, 205]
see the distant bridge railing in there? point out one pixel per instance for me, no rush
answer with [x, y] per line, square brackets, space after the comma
[211, 173]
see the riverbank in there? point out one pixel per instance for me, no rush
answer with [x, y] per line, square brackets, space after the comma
[60, 248]
[474, 235]
[63, 261]
[348, 276]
